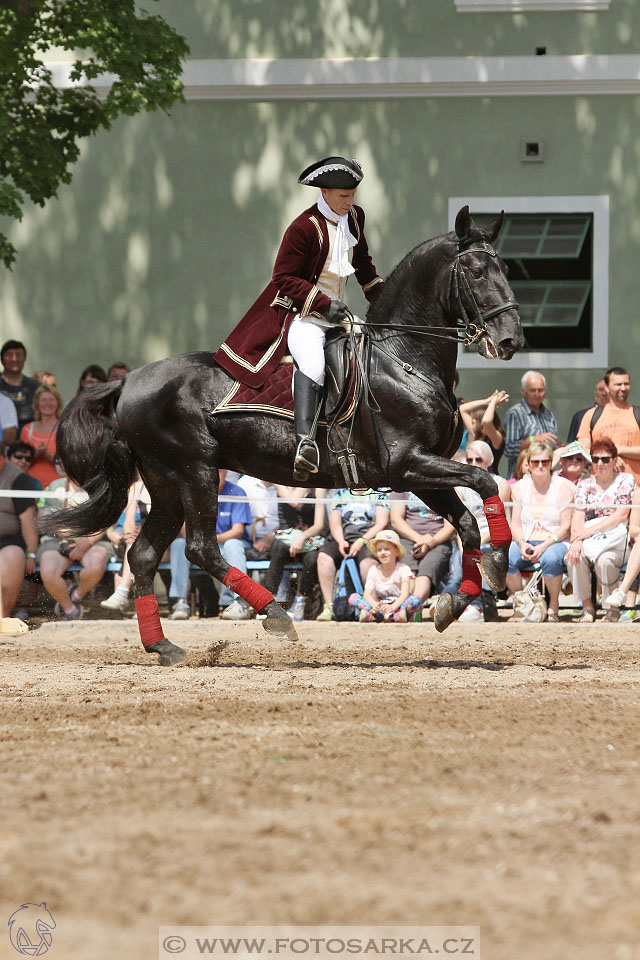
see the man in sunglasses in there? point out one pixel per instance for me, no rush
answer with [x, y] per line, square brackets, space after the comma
[21, 455]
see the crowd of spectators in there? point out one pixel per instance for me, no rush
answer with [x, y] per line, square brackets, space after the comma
[570, 510]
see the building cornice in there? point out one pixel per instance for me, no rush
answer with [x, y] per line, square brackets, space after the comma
[398, 78]
[531, 6]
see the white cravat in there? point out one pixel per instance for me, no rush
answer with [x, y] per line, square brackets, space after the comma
[344, 240]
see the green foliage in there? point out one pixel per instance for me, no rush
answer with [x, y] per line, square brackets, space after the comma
[41, 124]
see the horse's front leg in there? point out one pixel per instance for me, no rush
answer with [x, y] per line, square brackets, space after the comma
[495, 563]
[450, 605]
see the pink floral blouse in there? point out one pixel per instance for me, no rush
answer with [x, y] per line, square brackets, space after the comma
[602, 503]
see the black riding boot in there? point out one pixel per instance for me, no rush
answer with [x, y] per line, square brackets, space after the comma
[307, 396]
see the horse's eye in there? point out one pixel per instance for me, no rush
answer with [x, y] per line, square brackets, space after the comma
[476, 273]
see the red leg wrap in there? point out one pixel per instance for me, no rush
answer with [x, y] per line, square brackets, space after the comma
[148, 619]
[254, 593]
[471, 576]
[499, 529]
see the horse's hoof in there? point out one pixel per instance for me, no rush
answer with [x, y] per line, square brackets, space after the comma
[494, 566]
[168, 653]
[277, 623]
[449, 608]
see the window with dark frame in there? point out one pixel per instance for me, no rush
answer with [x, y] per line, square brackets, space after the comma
[550, 261]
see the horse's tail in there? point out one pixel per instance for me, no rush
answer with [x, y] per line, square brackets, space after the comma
[96, 457]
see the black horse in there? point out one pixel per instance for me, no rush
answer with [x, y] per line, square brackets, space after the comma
[166, 429]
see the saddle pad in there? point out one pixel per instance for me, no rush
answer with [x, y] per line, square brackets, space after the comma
[274, 397]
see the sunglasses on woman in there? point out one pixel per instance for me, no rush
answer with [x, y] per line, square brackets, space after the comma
[539, 463]
[475, 459]
[603, 459]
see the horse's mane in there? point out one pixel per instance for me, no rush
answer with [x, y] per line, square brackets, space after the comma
[396, 282]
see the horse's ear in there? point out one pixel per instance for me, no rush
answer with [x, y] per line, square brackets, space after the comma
[463, 223]
[494, 229]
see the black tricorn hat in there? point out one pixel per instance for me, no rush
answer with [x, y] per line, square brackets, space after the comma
[332, 173]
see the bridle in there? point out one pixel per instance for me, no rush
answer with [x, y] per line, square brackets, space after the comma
[471, 328]
[458, 281]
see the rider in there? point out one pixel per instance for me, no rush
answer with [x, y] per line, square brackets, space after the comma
[319, 250]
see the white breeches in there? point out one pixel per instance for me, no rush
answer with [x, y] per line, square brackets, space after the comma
[306, 346]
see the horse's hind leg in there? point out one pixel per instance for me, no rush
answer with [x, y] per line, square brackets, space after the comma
[448, 504]
[203, 549]
[161, 526]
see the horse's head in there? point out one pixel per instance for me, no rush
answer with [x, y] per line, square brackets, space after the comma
[480, 291]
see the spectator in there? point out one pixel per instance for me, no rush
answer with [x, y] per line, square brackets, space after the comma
[21, 455]
[354, 518]
[90, 376]
[426, 537]
[180, 572]
[387, 590]
[626, 592]
[41, 434]
[8, 420]
[117, 371]
[14, 384]
[540, 524]
[263, 504]
[573, 460]
[122, 535]
[233, 516]
[481, 419]
[599, 528]
[479, 455]
[602, 396]
[56, 554]
[299, 537]
[521, 470]
[529, 420]
[18, 534]
[45, 378]
[616, 420]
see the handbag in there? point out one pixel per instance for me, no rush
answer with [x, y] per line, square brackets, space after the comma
[529, 604]
[596, 544]
[289, 534]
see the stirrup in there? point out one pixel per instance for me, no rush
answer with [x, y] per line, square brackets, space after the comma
[301, 462]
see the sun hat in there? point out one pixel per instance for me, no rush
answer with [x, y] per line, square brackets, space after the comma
[573, 449]
[387, 536]
[332, 173]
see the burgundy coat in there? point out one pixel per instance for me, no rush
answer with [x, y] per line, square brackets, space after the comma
[256, 346]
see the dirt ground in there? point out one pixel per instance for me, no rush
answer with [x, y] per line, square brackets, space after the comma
[369, 774]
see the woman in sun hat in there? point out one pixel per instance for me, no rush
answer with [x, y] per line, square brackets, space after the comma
[387, 588]
[319, 251]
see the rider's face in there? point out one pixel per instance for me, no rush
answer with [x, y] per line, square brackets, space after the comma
[340, 201]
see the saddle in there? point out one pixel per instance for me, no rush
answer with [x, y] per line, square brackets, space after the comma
[275, 396]
[346, 358]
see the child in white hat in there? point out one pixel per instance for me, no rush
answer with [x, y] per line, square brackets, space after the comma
[386, 593]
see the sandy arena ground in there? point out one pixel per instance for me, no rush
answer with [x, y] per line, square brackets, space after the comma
[366, 775]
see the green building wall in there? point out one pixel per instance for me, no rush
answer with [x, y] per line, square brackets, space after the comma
[170, 226]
